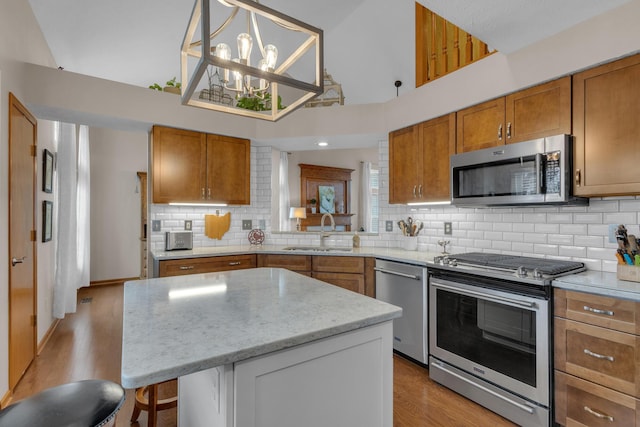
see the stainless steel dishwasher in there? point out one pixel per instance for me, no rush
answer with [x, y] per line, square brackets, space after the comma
[405, 286]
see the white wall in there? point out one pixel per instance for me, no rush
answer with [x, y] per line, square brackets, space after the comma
[116, 156]
[20, 40]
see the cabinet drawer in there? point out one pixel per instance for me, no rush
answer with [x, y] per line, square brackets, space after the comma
[177, 267]
[338, 264]
[614, 313]
[352, 282]
[290, 262]
[597, 354]
[582, 403]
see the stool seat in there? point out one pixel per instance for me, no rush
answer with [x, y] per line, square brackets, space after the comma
[77, 404]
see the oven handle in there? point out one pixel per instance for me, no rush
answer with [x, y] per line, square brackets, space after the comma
[397, 273]
[484, 296]
[481, 387]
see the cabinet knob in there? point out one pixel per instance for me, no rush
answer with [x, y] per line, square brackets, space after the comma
[202, 196]
[500, 132]
[420, 190]
[414, 191]
[598, 414]
[209, 193]
[235, 263]
[598, 311]
[186, 267]
[509, 130]
[578, 177]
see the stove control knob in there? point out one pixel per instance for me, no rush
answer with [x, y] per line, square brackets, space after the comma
[537, 274]
[445, 261]
[521, 272]
[453, 262]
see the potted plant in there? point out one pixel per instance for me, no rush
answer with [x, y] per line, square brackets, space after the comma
[171, 86]
[313, 205]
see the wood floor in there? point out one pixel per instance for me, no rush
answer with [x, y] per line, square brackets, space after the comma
[88, 344]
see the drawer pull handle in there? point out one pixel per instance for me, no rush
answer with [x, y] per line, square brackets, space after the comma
[598, 356]
[598, 414]
[597, 310]
[186, 267]
[235, 263]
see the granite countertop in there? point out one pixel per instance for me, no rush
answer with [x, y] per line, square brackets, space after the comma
[170, 329]
[595, 282]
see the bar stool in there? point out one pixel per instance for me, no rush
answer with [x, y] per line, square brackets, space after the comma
[151, 403]
[78, 404]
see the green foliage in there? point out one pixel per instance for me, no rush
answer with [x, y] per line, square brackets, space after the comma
[170, 83]
[313, 201]
[255, 103]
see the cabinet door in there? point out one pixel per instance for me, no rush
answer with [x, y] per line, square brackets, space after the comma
[179, 165]
[606, 109]
[481, 126]
[582, 403]
[352, 282]
[438, 143]
[228, 170]
[403, 165]
[539, 111]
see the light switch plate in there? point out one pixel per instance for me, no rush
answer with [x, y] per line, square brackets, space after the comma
[612, 233]
[262, 224]
[447, 229]
[156, 225]
[187, 225]
[246, 224]
[388, 225]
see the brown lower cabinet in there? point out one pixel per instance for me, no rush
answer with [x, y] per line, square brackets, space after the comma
[349, 272]
[178, 267]
[597, 360]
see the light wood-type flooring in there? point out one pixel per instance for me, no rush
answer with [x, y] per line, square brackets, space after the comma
[88, 344]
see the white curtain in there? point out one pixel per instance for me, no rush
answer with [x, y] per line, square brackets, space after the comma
[283, 207]
[364, 214]
[72, 240]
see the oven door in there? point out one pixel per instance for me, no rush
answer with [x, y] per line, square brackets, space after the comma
[495, 335]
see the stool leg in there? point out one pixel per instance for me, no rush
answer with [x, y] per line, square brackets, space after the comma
[153, 403]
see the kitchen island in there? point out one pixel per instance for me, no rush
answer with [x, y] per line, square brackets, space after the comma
[261, 347]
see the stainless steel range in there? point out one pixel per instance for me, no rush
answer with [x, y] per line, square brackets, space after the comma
[490, 337]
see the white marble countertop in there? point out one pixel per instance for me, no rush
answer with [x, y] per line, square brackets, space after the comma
[174, 326]
[596, 282]
[600, 283]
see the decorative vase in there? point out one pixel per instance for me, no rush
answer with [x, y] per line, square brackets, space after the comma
[313, 209]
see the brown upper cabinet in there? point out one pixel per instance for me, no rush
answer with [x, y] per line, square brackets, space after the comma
[532, 113]
[193, 166]
[419, 161]
[606, 109]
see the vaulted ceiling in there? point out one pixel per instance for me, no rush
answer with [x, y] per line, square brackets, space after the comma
[369, 44]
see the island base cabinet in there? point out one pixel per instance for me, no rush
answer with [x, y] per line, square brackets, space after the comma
[342, 381]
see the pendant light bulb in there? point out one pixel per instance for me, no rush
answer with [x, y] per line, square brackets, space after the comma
[237, 75]
[270, 56]
[245, 43]
[264, 66]
[223, 51]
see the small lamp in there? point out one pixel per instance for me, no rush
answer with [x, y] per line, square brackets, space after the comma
[297, 213]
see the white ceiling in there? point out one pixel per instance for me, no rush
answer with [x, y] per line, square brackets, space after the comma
[368, 44]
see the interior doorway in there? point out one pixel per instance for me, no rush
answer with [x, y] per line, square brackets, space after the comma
[22, 239]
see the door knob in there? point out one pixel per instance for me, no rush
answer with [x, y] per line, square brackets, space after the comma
[15, 261]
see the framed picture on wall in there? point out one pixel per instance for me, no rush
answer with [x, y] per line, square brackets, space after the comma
[47, 218]
[327, 196]
[47, 168]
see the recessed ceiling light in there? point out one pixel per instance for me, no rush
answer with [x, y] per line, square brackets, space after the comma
[323, 144]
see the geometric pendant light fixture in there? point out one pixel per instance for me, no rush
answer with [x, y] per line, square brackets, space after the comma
[243, 58]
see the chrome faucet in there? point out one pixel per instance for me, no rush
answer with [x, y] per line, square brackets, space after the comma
[324, 235]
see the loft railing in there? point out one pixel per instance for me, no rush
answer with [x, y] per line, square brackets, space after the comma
[441, 47]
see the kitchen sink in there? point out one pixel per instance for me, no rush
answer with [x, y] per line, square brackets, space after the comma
[317, 249]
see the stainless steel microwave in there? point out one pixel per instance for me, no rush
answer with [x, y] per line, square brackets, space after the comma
[525, 173]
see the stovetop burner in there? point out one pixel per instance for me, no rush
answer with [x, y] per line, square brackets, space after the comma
[512, 262]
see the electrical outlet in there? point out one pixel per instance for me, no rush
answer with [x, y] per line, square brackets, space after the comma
[388, 226]
[447, 229]
[612, 233]
[187, 225]
[262, 224]
[246, 224]
[156, 225]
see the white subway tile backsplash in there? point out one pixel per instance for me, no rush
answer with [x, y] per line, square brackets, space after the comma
[568, 232]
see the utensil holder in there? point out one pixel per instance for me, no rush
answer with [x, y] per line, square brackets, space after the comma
[410, 243]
